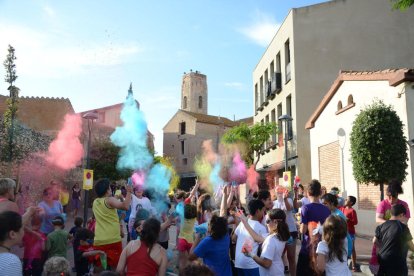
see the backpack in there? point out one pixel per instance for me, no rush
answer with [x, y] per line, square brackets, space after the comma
[313, 243]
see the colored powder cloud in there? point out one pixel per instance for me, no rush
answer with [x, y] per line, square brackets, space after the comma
[132, 138]
[238, 172]
[158, 183]
[66, 150]
[215, 178]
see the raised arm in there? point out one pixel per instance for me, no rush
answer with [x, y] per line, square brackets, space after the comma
[256, 237]
[114, 203]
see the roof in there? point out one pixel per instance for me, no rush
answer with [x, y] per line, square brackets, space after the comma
[393, 76]
[210, 119]
[39, 113]
[248, 121]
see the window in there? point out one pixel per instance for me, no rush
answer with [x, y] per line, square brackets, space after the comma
[287, 60]
[185, 161]
[272, 69]
[185, 102]
[256, 96]
[350, 99]
[261, 90]
[279, 122]
[200, 102]
[182, 128]
[182, 147]
[267, 144]
[289, 112]
[278, 64]
[339, 107]
[273, 118]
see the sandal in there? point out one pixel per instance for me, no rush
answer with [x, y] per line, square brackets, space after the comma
[356, 269]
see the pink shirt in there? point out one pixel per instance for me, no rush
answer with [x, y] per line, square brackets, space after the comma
[384, 207]
[33, 245]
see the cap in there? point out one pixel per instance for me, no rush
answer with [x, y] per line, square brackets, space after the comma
[58, 220]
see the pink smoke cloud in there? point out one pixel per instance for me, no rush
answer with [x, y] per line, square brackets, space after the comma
[138, 178]
[252, 178]
[66, 150]
[238, 172]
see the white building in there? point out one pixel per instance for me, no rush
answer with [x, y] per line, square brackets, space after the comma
[310, 47]
[331, 124]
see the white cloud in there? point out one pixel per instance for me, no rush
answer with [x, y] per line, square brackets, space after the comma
[235, 85]
[40, 53]
[262, 29]
[49, 11]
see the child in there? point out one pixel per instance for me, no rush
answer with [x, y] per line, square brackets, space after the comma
[332, 250]
[34, 246]
[90, 224]
[393, 238]
[85, 253]
[351, 221]
[57, 241]
[78, 225]
[186, 236]
[270, 260]
[57, 266]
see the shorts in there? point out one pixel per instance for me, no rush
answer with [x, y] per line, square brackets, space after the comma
[293, 237]
[352, 237]
[247, 272]
[183, 245]
[113, 252]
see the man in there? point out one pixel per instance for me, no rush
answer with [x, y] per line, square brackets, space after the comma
[394, 239]
[108, 228]
[312, 213]
[245, 265]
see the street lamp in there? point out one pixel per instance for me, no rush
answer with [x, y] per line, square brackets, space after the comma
[342, 140]
[286, 118]
[90, 116]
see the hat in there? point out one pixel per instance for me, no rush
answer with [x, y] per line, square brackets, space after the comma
[142, 214]
[58, 220]
[334, 191]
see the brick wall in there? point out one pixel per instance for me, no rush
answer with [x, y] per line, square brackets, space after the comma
[368, 196]
[330, 166]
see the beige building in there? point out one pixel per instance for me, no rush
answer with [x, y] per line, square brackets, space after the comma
[310, 47]
[331, 124]
[190, 126]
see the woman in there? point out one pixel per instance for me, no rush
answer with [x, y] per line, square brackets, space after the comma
[214, 249]
[270, 260]
[332, 252]
[144, 256]
[11, 234]
[51, 208]
[284, 202]
[394, 189]
[76, 198]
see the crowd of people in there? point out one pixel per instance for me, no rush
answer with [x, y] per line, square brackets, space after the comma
[216, 234]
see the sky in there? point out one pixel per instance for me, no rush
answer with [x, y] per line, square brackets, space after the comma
[90, 51]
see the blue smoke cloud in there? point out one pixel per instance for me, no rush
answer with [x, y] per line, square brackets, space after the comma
[132, 138]
[158, 183]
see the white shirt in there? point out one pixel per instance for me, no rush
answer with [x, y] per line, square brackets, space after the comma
[139, 203]
[10, 265]
[242, 261]
[272, 249]
[335, 267]
[290, 220]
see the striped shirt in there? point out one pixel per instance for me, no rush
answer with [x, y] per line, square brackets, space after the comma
[10, 265]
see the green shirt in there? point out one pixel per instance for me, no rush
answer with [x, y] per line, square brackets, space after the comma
[56, 244]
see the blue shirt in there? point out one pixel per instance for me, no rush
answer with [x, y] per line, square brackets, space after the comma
[49, 214]
[215, 254]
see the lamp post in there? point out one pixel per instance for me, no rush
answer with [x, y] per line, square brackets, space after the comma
[342, 140]
[286, 118]
[90, 116]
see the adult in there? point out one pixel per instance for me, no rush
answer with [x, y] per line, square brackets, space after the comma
[394, 189]
[214, 249]
[205, 207]
[51, 208]
[144, 256]
[7, 187]
[138, 201]
[311, 214]
[266, 198]
[108, 228]
[76, 199]
[285, 203]
[64, 198]
[11, 234]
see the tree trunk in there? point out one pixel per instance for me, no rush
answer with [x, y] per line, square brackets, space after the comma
[257, 161]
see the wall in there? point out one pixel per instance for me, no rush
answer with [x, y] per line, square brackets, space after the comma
[325, 132]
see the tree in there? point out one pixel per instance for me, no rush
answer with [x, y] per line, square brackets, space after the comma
[12, 102]
[378, 146]
[103, 159]
[253, 138]
[402, 4]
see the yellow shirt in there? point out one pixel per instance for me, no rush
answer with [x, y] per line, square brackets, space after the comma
[64, 198]
[107, 229]
[187, 230]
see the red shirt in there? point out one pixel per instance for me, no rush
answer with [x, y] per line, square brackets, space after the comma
[33, 245]
[351, 218]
